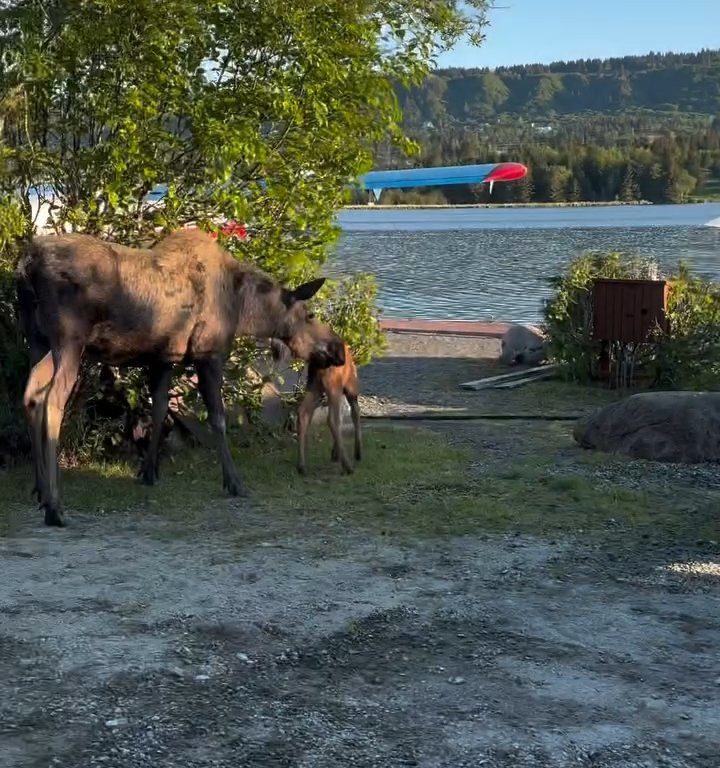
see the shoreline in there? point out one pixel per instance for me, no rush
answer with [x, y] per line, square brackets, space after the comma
[486, 329]
[586, 204]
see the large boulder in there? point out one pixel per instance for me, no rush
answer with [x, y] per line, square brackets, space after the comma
[522, 345]
[679, 427]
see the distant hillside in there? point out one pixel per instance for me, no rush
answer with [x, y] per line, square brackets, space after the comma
[675, 82]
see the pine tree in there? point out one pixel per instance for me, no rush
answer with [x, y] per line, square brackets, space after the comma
[523, 190]
[630, 189]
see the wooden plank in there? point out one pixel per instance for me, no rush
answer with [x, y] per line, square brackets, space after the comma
[492, 380]
[521, 382]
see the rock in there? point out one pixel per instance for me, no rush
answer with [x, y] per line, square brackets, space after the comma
[681, 427]
[522, 344]
[456, 680]
[116, 722]
[276, 378]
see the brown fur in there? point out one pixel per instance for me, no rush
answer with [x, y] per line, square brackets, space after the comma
[333, 379]
[182, 301]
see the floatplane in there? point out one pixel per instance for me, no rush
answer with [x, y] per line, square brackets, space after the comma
[43, 199]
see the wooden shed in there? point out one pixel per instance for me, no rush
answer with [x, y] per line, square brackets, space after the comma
[628, 310]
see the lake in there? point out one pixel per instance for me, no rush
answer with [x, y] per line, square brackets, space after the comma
[494, 263]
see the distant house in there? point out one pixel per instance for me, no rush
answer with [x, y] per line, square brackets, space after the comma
[541, 128]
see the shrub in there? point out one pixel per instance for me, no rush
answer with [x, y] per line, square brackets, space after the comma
[349, 307]
[568, 314]
[13, 357]
[687, 356]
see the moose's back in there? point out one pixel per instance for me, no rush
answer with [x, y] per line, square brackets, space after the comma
[134, 306]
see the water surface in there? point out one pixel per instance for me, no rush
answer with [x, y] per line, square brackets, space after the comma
[483, 264]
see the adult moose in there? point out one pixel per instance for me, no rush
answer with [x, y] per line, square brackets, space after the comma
[182, 301]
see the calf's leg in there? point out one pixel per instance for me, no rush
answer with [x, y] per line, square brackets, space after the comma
[159, 380]
[210, 385]
[335, 423]
[355, 411]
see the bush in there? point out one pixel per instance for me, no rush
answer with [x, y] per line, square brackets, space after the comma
[687, 356]
[13, 357]
[568, 315]
[349, 307]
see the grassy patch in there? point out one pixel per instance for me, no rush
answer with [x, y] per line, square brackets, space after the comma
[529, 499]
[410, 483]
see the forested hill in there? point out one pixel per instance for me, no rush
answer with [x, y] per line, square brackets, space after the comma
[685, 82]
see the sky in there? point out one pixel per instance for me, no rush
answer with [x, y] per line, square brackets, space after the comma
[541, 31]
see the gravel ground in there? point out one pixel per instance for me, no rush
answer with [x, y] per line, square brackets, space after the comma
[128, 642]
[119, 650]
[422, 371]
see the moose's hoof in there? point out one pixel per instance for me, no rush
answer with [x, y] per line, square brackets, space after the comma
[347, 469]
[334, 456]
[301, 469]
[235, 487]
[148, 476]
[55, 516]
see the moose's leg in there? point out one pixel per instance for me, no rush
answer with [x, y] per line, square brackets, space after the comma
[305, 412]
[159, 380]
[355, 411]
[334, 453]
[335, 423]
[67, 367]
[210, 385]
[36, 391]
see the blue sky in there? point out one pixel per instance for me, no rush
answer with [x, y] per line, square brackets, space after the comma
[541, 31]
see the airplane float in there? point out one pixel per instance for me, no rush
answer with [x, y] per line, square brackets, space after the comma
[438, 176]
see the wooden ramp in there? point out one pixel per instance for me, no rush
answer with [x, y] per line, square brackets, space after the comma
[512, 380]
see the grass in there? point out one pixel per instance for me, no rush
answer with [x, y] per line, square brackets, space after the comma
[410, 483]
[554, 397]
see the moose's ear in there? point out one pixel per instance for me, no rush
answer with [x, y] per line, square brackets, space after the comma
[308, 290]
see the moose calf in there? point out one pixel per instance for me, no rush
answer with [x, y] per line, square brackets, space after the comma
[333, 378]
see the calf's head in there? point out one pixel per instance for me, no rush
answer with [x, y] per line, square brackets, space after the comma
[297, 328]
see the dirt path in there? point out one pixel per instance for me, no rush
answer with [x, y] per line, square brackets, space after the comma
[130, 642]
[120, 648]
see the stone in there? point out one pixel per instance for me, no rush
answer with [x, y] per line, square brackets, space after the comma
[522, 345]
[116, 722]
[278, 380]
[678, 427]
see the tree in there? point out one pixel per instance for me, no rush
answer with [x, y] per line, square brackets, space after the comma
[263, 111]
[523, 189]
[258, 110]
[630, 189]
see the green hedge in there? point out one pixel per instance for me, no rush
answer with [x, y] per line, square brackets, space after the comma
[686, 357]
